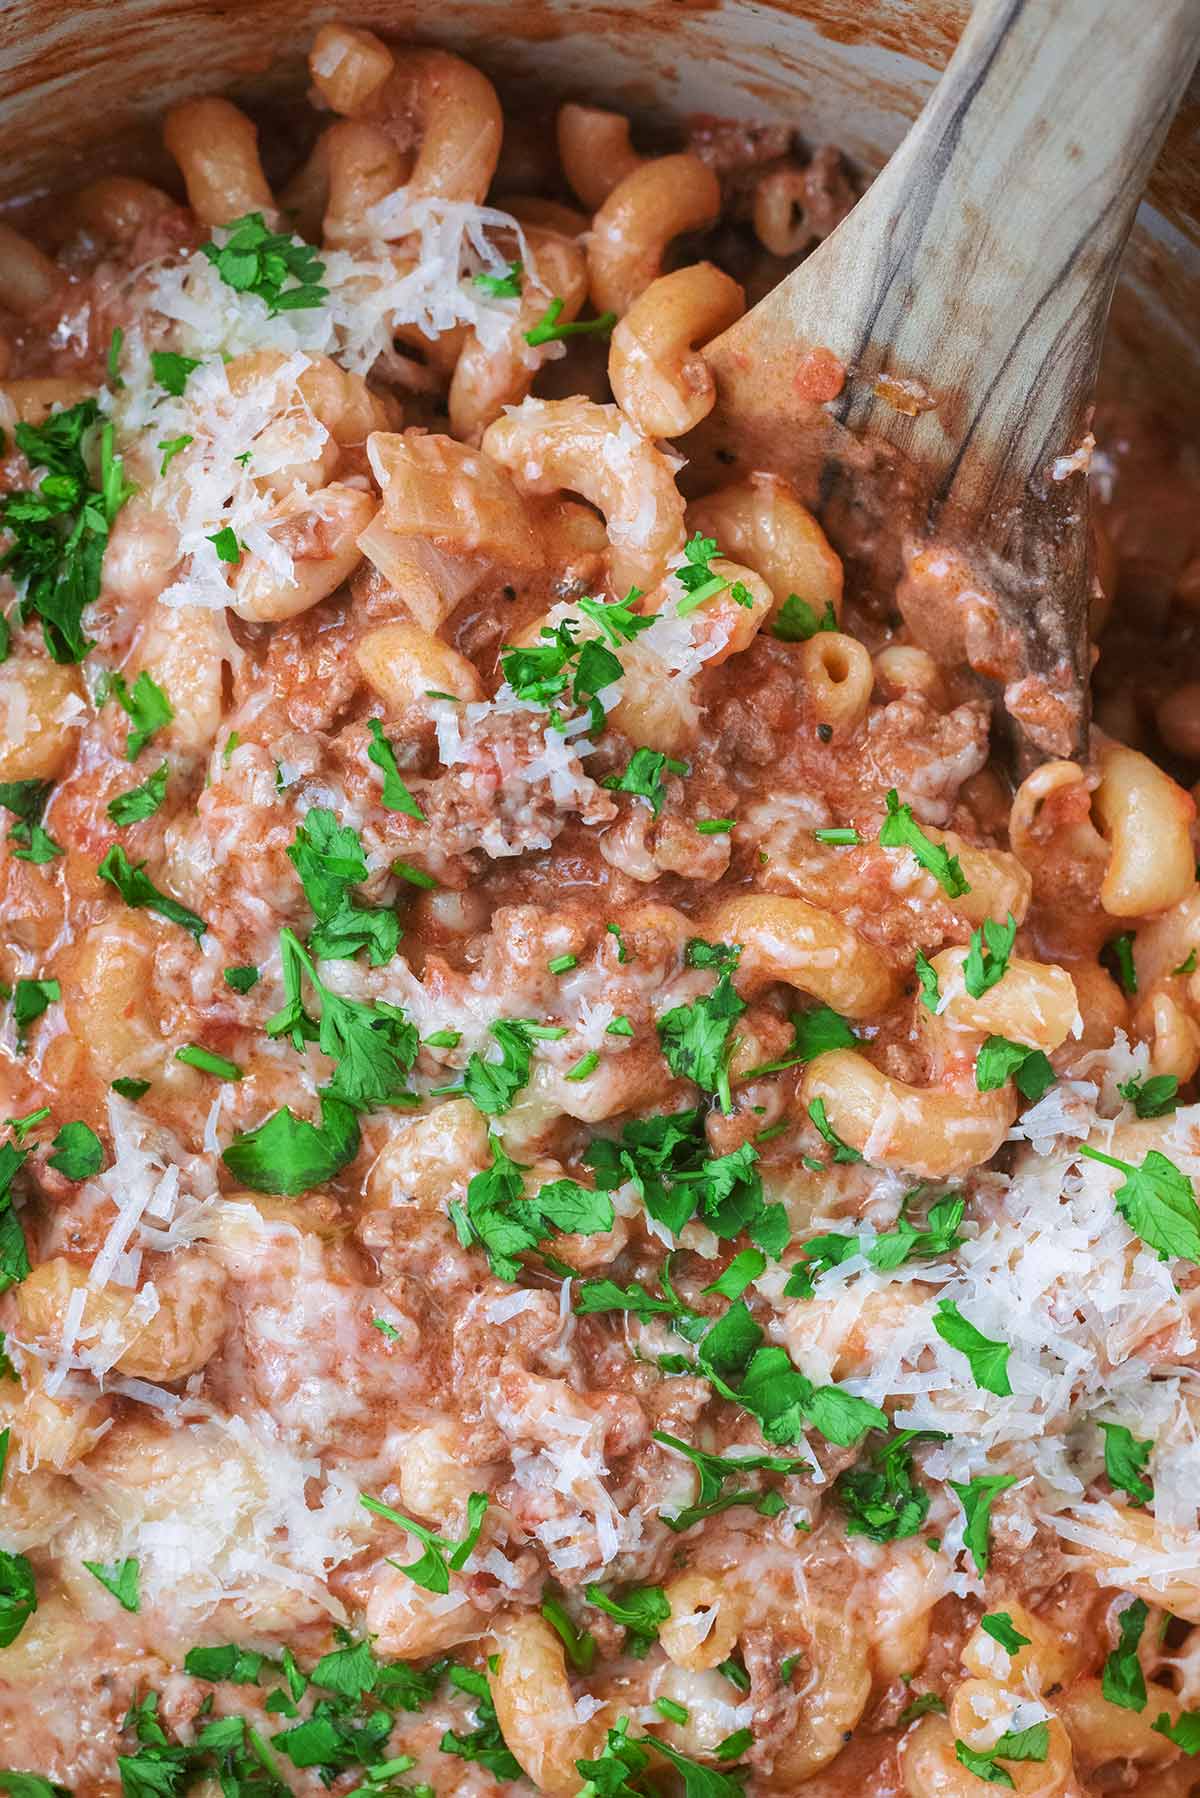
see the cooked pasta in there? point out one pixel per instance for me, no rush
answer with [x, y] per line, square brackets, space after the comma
[593, 1198]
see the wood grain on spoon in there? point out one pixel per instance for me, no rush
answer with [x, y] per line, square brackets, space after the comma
[967, 295]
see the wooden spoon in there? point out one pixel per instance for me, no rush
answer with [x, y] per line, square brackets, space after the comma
[966, 294]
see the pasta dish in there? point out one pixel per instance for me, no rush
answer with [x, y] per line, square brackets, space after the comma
[594, 1198]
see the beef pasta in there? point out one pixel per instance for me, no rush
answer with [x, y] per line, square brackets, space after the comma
[594, 1197]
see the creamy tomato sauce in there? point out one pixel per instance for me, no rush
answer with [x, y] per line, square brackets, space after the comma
[593, 1200]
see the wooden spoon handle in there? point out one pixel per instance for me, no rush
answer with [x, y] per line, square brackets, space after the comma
[978, 270]
[981, 262]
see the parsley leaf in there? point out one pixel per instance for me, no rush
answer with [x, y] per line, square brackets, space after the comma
[440, 1557]
[14, 1257]
[695, 1039]
[579, 1644]
[140, 802]
[139, 891]
[639, 1612]
[374, 1045]
[977, 1498]
[31, 998]
[988, 956]
[506, 1224]
[1123, 1681]
[887, 1251]
[242, 979]
[18, 1595]
[241, 1666]
[1184, 1731]
[1001, 1628]
[502, 287]
[842, 1151]
[931, 996]
[27, 800]
[988, 1360]
[1157, 1202]
[147, 706]
[120, 1579]
[548, 330]
[1125, 1457]
[879, 1495]
[796, 621]
[60, 531]
[493, 1085]
[396, 796]
[329, 858]
[643, 777]
[1118, 953]
[255, 260]
[1000, 1059]
[901, 831]
[714, 1470]
[30, 1785]
[171, 370]
[698, 579]
[288, 1155]
[1153, 1098]
[925, 1704]
[485, 1743]
[172, 447]
[1032, 1744]
[79, 1152]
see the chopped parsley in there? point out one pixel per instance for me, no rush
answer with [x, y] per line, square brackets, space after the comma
[131, 1089]
[562, 964]
[1187, 965]
[417, 877]
[1184, 1732]
[1125, 1459]
[558, 664]
[900, 830]
[988, 1360]
[886, 1251]
[121, 1579]
[579, 1644]
[1118, 954]
[147, 707]
[816, 1032]
[548, 330]
[1153, 1098]
[59, 532]
[493, 1085]
[193, 1056]
[644, 777]
[1158, 1203]
[226, 545]
[1001, 1059]
[485, 1743]
[289, 1155]
[977, 1498]
[329, 858]
[27, 800]
[1001, 1628]
[714, 1471]
[925, 1704]
[1122, 1681]
[30, 999]
[139, 891]
[171, 371]
[774, 1391]
[242, 979]
[695, 1039]
[584, 1067]
[879, 1495]
[439, 1557]
[505, 1224]
[172, 447]
[699, 581]
[639, 1612]
[988, 955]
[78, 1152]
[796, 621]
[255, 260]
[1032, 1744]
[841, 837]
[842, 1151]
[18, 1595]
[396, 796]
[374, 1045]
[715, 827]
[140, 802]
[502, 287]
[931, 996]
